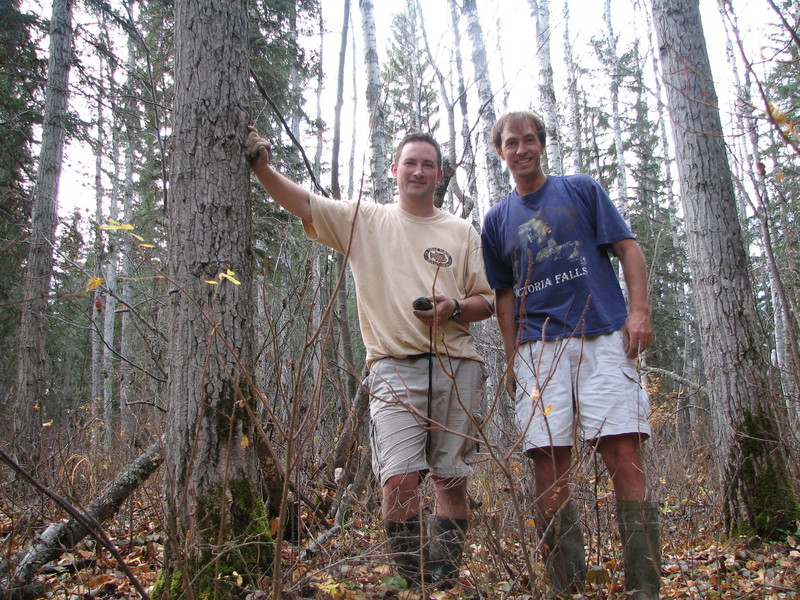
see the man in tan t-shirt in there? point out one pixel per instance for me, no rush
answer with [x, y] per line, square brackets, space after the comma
[426, 377]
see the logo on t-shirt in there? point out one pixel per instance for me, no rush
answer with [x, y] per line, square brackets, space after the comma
[438, 257]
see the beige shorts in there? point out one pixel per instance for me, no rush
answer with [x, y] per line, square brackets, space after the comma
[399, 416]
[578, 385]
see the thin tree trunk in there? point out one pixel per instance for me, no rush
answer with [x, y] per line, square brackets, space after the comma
[31, 367]
[758, 494]
[498, 184]
[379, 165]
[616, 120]
[540, 10]
[101, 429]
[126, 251]
[468, 162]
[573, 97]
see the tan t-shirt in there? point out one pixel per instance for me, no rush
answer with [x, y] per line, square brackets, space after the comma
[396, 257]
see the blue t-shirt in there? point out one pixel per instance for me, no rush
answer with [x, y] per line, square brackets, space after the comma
[552, 247]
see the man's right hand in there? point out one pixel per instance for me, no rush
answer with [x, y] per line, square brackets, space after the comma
[257, 149]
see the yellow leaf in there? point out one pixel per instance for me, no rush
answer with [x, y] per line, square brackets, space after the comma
[779, 176]
[147, 245]
[50, 422]
[229, 275]
[535, 394]
[245, 442]
[92, 283]
[117, 225]
[530, 523]
[238, 578]
[137, 237]
[212, 282]
[547, 409]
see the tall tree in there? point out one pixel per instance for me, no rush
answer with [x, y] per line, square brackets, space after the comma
[616, 72]
[540, 10]
[378, 144]
[757, 487]
[31, 367]
[217, 523]
[408, 81]
[498, 185]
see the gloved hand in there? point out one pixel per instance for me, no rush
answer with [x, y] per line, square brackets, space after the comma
[257, 149]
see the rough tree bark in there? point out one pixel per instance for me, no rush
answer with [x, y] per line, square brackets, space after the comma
[31, 366]
[216, 519]
[758, 495]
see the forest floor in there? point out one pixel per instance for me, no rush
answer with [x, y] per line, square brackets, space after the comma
[697, 562]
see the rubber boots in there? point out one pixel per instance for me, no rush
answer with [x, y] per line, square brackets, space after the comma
[563, 551]
[447, 538]
[641, 548]
[404, 540]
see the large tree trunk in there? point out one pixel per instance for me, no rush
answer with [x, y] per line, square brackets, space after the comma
[216, 520]
[758, 492]
[31, 366]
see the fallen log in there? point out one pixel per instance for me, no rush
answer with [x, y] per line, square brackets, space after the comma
[62, 536]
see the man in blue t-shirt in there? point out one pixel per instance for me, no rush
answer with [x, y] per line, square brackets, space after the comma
[570, 344]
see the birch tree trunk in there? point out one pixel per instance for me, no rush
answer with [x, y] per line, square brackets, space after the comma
[540, 10]
[787, 356]
[616, 120]
[216, 519]
[573, 97]
[379, 164]
[498, 186]
[98, 412]
[468, 153]
[31, 366]
[758, 495]
[126, 246]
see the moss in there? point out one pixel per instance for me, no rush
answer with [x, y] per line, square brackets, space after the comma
[237, 548]
[770, 503]
[168, 581]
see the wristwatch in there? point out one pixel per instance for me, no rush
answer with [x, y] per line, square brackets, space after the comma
[457, 312]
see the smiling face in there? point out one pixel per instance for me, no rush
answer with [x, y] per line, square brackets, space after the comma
[417, 172]
[521, 149]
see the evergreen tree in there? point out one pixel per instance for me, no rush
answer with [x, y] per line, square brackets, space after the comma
[408, 80]
[21, 95]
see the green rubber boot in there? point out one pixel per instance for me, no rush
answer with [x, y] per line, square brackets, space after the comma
[404, 542]
[563, 551]
[641, 548]
[447, 537]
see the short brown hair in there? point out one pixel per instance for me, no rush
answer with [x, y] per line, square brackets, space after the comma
[518, 119]
[419, 136]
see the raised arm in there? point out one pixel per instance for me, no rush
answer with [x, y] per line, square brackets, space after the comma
[637, 331]
[283, 190]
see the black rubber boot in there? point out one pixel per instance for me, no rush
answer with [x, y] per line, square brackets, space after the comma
[404, 542]
[563, 551]
[641, 548]
[446, 547]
